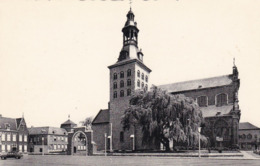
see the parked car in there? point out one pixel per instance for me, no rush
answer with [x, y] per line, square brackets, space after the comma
[5, 155]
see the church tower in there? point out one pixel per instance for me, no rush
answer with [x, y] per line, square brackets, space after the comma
[128, 74]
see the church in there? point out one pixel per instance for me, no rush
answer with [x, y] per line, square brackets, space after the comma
[217, 98]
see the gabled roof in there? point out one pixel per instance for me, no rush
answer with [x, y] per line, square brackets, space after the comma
[47, 130]
[213, 110]
[102, 117]
[247, 126]
[68, 122]
[198, 84]
[10, 121]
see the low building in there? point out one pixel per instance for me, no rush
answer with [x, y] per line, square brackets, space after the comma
[13, 134]
[48, 140]
[249, 136]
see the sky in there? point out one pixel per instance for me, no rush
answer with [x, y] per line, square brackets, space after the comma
[54, 53]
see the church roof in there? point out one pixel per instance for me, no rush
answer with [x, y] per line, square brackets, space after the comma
[247, 126]
[102, 117]
[198, 84]
[68, 122]
[213, 110]
[47, 130]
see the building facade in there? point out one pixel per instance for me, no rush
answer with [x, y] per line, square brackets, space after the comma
[217, 98]
[128, 74]
[249, 136]
[13, 134]
[48, 140]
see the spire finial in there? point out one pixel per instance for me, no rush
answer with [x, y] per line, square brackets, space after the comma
[69, 116]
[23, 115]
[234, 61]
[130, 2]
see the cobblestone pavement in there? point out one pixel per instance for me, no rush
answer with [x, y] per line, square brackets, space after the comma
[122, 161]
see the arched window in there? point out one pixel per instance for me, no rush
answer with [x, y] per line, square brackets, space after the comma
[115, 76]
[243, 136]
[202, 101]
[146, 87]
[142, 76]
[121, 74]
[142, 85]
[138, 83]
[138, 73]
[121, 84]
[221, 99]
[128, 82]
[128, 92]
[249, 136]
[146, 78]
[121, 93]
[115, 85]
[115, 94]
[128, 72]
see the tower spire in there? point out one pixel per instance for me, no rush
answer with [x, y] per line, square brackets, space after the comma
[130, 3]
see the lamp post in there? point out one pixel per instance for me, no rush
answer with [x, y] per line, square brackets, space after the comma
[133, 137]
[105, 144]
[43, 141]
[199, 129]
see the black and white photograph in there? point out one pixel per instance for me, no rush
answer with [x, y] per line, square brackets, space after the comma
[129, 82]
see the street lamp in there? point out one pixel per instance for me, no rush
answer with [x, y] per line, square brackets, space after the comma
[199, 129]
[105, 144]
[133, 136]
[43, 141]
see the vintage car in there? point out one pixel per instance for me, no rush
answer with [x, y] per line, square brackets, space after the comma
[12, 154]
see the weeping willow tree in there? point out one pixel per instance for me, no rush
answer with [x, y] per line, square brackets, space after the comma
[164, 117]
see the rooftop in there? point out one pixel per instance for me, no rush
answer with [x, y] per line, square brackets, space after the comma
[247, 126]
[47, 130]
[102, 117]
[213, 110]
[198, 84]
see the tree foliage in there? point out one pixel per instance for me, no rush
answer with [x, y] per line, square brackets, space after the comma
[164, 117]
[87, 122]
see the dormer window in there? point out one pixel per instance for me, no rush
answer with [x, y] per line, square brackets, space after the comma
[7, 126]
[221, 99]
